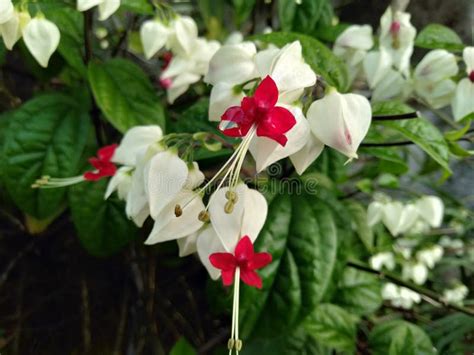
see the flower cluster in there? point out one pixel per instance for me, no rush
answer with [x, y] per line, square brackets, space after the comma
[189, 55]
[386, 69]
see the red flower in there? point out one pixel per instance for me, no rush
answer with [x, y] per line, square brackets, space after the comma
[245, 259]
[271, 121]
[102, 164]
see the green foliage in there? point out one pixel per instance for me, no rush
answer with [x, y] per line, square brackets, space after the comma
[333, 326]
[182, 347]
[46, 136]
[102, 226]
[303, 17]
[302, 236]
[137, 6]
[317, 55]
[435, 36]
[125, 94]
[243, 9]
[398, 337]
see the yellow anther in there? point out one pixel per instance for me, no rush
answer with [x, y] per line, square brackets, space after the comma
[231, 196]
[230, 344]
[238, 345]
[203, 216]
[229, 207]
[178, 211]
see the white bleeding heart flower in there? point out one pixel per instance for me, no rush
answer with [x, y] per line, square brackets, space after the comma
[430, 256]
[381, 260]
[170, 226]
[183, 35]
[431, 209]
[374, 213]
[462, 102]
[392, 86]
[376, 65]
[41, 37]
[135, 141]
[247, 217]
[417, 272]
[233, 64]
[154, 35]
[397, 37]
[400, 296]
[352, 46]
[188, 245]
[208, 242]
[6, 11]
[304, 157]
[340, 121]
[106, 7]
[11, 30]
[120, 182]
[399, 218]
[235, 37]
[223, 96]
[432, 77]
[456, 294]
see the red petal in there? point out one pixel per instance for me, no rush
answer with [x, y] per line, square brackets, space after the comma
[275, 124]
[244, 249]
[266, 94]
[106, 153]
[92, 176]
[260, 260]
[228, 277]
[223, 261]
[95, 162]
[234, 122]
[250, 277]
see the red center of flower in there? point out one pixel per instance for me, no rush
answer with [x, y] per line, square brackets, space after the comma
[260, 110]
[244, 258]
[102, 164]
[471, 76]
[166, 83]
[395, 27]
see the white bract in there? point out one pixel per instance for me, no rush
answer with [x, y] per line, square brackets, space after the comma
[463, 99]
[340, 121]
[431, 209]
[41, 37]
[432, 77]
[397, 36]
[400, 296]
[382, 260]
[154, 35]
[106, 7]
[352, 46]
[12, 29]
[6, 11]
[430, 256]
[456, 295]
[418, 272]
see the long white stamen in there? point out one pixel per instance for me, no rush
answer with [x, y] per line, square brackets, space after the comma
[234, 334]
[47, 182]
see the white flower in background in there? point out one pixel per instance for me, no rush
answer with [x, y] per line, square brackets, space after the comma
[430, 256]
[41, 37]
[235, 37]
[432, 77]
[463, 102]
[120, 182]
[456, 245]
[400, 296]
[182, 38]
[106, 7]
[11, 30]
[418, 272]
[374, 213]
[382, 260]
[399, 218]
[6, 11]
[397, 37]
[431, 210]
[154, 35]
[456, 295]
[352, 46]
[386, 83]
[188, 68]
[340, 121]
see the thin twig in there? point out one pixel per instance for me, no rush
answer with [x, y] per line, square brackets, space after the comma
[404, 116]
[86, 317]
[423, 291]
[388, 144]
[15, 260]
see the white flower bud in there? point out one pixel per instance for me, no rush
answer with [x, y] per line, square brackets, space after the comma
[6, 11]
[340, 121]
[431, 209]
[41, 37]
[154, 36]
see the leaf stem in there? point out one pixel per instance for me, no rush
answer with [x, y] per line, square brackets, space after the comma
[403, 116]
[433, 296]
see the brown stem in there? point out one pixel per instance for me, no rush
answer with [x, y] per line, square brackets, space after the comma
[404, 116]
[423, 291]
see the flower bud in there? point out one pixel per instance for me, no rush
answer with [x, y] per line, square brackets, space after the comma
[153, 35]
[431, 209]
[41, 37]
[340, 121]
[6, 11]
[353, 44]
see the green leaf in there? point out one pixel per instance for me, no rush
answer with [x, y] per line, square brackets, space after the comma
[359, 216]
[435, 36]
[142, 7]
[420, 131]
[182, 347]
[317, 55]
[457, 134]
[46, 136]
[398, 337]
[331, 32]
[286, 14]
[71, 26]
[358, 292]
[101, 225]
[333, 326]
[389, 160]
[243, 9]
[124, 94]
[304, 253]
